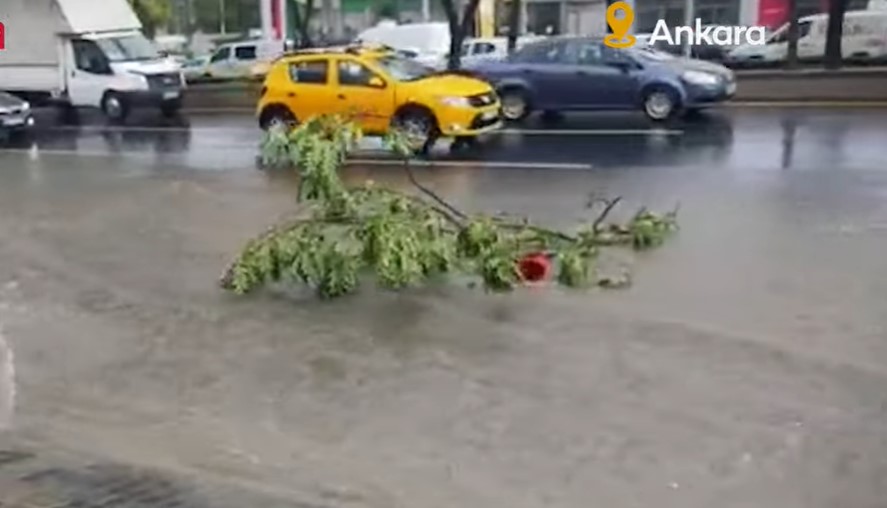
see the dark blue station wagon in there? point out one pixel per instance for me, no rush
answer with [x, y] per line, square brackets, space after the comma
[582, 74]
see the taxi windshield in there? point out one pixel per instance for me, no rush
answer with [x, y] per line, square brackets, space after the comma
[404, 69]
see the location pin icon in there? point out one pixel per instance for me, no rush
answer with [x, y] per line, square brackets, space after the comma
[620, 38]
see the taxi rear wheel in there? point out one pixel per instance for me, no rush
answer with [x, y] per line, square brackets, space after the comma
[419, 129]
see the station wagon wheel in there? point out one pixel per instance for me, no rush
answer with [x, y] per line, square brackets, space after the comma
[660, 104]
[515, 104]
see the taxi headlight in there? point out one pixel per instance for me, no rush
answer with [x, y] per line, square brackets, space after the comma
[456, 102]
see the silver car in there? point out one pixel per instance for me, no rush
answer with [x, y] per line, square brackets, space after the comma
[15, 115]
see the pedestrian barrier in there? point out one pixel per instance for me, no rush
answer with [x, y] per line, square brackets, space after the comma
[863, 85]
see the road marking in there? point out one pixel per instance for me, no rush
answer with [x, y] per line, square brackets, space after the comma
[526, 132]
[593, 132]
[480, 164]
[807, 104]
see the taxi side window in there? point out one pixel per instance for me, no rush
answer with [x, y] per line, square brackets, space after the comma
[309, 72]
[352, 73]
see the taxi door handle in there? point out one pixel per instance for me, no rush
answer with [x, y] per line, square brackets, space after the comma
[291, 94]
[340, 96]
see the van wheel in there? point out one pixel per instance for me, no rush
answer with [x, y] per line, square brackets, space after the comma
[277, 116]
[114, 107]
[660, 104]
[170, 109]
[515, 104]
[419, 129]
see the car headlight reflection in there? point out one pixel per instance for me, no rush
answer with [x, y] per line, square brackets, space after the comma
[701, 78]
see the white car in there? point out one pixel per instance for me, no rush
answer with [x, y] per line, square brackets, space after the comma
[490, 48]
[238, 60]
[864, 38]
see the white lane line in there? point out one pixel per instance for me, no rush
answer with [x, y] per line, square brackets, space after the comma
[526, 132]
[594, 132]
[481, 164]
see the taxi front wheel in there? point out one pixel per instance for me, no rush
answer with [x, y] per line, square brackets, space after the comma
[277, 116]
[419, 129]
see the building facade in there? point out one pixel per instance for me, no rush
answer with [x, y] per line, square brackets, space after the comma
[588, 17]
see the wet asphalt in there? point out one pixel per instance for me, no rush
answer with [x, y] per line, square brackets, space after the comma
[746, 365]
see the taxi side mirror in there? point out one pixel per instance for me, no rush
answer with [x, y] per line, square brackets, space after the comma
[376, 82]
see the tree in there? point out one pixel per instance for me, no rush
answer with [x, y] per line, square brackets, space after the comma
[404, 239]
[834, 32]
[302, 22]
[514, 29]
[459, 27]
[152, 13]
[791, 59]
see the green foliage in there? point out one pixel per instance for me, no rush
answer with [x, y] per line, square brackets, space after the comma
[401, 239]
[152, 13]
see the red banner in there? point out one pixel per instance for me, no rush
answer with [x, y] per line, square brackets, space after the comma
[277, 19]
[772, 13]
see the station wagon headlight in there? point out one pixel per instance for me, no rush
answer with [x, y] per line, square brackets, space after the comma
[456, 102]
[701, 78]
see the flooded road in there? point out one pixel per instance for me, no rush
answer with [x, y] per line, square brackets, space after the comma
[745, 367]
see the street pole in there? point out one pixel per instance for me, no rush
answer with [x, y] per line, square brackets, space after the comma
[426, 10]
[689, 18]
[222, 17]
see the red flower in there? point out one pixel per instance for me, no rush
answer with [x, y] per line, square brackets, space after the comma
[534, 267]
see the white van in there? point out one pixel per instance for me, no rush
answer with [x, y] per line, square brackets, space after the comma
[864, 39]
[235, 60]
[430, 42]
[72, 53]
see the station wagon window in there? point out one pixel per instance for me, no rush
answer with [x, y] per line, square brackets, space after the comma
[540, 53]
[221, 54]
[353, 73]
[245, 53]
[482, 48]
[584, 53]
[310, 72]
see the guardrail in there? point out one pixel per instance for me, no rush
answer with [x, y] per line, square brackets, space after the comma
[862, 85]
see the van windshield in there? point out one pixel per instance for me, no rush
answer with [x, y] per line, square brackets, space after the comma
[128, 49]
[403, 69]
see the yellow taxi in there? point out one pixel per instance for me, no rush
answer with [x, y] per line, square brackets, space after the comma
[380, 90]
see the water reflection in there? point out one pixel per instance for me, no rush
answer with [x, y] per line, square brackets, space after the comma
[7, 383]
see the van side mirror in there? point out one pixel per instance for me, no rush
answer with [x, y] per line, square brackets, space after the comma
[376, 82]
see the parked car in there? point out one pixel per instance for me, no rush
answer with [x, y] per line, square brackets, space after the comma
[430, 42]
[238, 60]
[490, 48]
[380, 90]
[194, 69]
[581, 73]
[864, 40]
[15, 115]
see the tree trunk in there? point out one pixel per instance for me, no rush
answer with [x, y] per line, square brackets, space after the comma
[791, 59]
[514, 25]
[303, 23]
[834, 32]
[458, 29]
